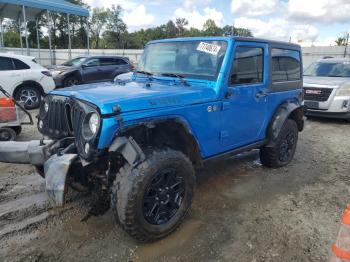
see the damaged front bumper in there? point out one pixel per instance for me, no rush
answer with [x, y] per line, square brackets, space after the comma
[41, 153]
[54, 159]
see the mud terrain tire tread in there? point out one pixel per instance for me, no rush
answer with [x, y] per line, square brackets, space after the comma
[125, 192]
[269, 156]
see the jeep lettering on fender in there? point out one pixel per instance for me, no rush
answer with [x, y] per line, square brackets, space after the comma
[139, 141]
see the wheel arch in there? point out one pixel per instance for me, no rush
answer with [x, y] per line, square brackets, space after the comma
[288, 110]
[173, 132]
[73, 73]
[27, 83]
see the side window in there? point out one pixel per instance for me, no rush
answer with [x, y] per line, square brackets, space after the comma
[19, 65]
[93, 62]
[248, 66]
[285, 65]
[5, 64]
[106, 61]
[121, 61]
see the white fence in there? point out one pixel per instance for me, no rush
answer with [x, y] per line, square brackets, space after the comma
[310, 54]
[61, 55]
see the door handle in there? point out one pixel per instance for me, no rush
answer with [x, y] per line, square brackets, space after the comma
[261, 94]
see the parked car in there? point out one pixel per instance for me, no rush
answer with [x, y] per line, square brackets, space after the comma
[139, 141]
[23, 78]
[327, 88]
[91, 69]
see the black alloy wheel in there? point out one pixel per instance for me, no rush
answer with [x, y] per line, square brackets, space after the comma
[163, 196]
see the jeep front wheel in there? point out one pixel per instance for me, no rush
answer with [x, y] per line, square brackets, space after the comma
[282, 152]
[151, 199]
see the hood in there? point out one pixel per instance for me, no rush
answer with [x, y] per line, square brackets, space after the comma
[136, 96]
[60, 68]
[333, 82]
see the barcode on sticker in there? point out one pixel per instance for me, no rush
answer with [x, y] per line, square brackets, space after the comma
[208, 48]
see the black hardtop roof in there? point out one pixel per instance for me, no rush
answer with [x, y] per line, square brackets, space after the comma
[267, 41]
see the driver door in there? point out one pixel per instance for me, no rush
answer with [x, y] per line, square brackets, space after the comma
[245, 102]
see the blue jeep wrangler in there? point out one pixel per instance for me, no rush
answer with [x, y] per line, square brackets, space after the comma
[137, 142]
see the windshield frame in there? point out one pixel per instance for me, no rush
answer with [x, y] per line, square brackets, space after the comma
[224, 50]
[313, 73]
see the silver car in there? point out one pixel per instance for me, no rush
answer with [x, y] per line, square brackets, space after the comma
[327, 88]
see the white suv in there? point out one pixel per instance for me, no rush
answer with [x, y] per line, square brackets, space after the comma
[24, 79]
[327, 88]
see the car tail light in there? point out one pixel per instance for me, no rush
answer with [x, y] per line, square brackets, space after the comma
[47, 73]
[7, 110]
[6, 102]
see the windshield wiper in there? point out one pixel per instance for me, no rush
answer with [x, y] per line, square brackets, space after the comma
[144, 73]
[335, 76]
[181, 77]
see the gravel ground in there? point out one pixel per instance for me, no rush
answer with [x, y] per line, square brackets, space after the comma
[241, 211]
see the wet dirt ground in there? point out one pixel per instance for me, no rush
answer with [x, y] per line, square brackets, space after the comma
[241, 211]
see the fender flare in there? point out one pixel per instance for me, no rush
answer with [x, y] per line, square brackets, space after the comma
[282, 113]
[130, 149]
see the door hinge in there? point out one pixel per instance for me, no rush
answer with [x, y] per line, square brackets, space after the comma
[224, 135]
[226, 106]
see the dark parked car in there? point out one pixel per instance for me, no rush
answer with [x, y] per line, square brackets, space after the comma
[91, 69]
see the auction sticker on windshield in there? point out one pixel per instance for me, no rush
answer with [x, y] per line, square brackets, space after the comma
[208, 48]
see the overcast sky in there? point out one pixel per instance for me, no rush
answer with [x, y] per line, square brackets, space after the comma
[307, 20]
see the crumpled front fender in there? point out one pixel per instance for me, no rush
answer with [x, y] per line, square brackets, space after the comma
[56, 170]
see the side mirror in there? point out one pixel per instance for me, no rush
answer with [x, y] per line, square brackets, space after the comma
[83, 66]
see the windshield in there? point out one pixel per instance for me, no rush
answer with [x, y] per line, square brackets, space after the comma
[75, 61]
[329, 69]
[192, 59]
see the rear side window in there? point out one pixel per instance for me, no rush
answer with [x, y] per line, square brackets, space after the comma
[106, 61]
[112, 61]
[19, 65]
[121, 62]
[5, 64]
[285, 65]
[248, 66]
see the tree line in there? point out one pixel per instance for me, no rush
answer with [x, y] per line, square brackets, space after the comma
[107, 30]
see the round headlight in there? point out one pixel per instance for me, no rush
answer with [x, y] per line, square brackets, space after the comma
[94, 122]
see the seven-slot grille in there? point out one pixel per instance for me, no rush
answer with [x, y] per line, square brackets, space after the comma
[317, 94]
[64, 118]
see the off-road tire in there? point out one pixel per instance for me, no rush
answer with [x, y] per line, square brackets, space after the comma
[130, 186]
[272, 156]
[29, 95]
[7, 134]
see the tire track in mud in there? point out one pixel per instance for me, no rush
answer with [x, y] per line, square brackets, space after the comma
[25, 207]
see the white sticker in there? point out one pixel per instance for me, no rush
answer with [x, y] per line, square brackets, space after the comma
[209, 48]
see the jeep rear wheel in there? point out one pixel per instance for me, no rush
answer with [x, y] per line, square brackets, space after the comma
[151, 199]
[283, 150]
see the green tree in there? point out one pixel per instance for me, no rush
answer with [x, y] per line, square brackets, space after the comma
[341, 41]
[180, 25]
[97, 23]
[211, 29]
[116, 28]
